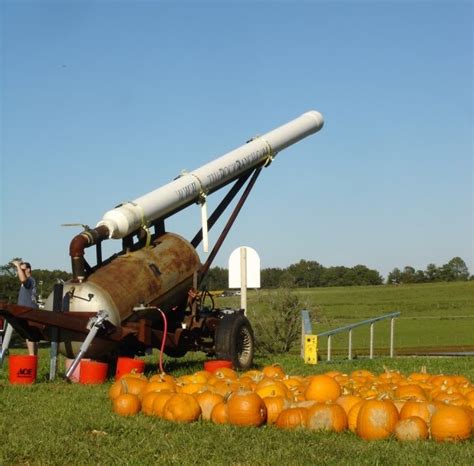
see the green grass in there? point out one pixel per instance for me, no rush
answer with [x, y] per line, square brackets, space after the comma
[434, 314]
[59, 423]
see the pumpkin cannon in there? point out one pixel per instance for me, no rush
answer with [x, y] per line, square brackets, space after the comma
[149, 294]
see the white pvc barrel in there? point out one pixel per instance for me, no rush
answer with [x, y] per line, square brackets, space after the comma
[128, 217]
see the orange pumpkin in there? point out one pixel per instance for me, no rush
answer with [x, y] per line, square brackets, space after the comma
[133, 384]
[275, 371]
[411, 428]
[115, 390]
[220, 413]
[326, 416]
[348, 401]
[156, 386]
[162, 378]
[147, 403]
[126, 404]
[292, 418]
[451, 423]
[207, 400]
[322, 388]
[352, 416]
[275, 389]
[410, 391]
[376, 419]
[181, 407]
[159, 402]
[422, 409]
[246, 409]
[275, 405]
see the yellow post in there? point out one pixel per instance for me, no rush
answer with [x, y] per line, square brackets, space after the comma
[311, 349]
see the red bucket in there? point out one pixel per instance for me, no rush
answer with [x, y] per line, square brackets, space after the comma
[128, 365]
[22, 369]
[214, 364]
[93, 372]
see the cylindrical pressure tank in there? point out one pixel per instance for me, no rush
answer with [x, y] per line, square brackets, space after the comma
[159, 275]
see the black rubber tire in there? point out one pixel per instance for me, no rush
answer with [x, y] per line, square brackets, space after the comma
[234, 340]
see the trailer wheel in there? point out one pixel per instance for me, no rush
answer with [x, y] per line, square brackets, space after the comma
[234, 340]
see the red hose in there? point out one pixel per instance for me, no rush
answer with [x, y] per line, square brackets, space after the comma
[165, 331]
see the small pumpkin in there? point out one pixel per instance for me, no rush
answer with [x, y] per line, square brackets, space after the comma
[207, 400]
[220, 413]
[292, 418]
[348, 401]
[352, 416]
[410, 391]
[159, 402]
[411, 428]
[275, 405]
[326, 416]
[126, 404]
[181, 407]
[422, 409]
[275, 371]
[451, 423]
[376, 419]
[246, 409]
[322, 388]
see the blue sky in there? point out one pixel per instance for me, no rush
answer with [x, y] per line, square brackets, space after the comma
[102, 102]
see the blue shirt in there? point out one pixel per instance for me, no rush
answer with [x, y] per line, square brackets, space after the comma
[27, 293]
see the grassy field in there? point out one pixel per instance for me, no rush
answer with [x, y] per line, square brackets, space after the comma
[56, 423]
[432, 315]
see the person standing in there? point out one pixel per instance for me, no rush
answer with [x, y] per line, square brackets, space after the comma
[27, 295]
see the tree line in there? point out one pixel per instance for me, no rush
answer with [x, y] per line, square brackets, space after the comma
[303, 274]
[453, 271]
[310, 274]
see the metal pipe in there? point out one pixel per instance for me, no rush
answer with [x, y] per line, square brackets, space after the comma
[127, 218]
[371, 350]
[77, 246]
[349, 351]
[329, 347]
[392, 332]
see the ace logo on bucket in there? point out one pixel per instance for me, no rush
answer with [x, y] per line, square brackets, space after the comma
[22, 369]
[24, 372]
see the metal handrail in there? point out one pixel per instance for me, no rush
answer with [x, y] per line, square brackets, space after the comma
[350, 327]
[358, 324]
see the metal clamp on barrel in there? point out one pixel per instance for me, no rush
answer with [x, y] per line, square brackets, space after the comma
[95, 323]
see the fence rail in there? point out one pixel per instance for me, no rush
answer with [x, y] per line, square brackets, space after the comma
[306, 326]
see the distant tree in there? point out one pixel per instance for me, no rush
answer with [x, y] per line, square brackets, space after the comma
[420, 277]
[216, 279]
[365, 276]
[456, 269]
[306, 273]
[408, 274]
[271, 277]
[394, 277]
[431, 273]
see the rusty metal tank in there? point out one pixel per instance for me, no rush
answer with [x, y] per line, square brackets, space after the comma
[159, 275]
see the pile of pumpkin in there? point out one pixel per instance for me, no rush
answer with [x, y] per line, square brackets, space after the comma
[413, 407]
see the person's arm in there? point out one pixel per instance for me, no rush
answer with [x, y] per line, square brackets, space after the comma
[21, 273]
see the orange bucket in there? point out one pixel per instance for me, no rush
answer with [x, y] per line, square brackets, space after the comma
[77, 371]
[93, 372]
[128, 365]
[22, 369]
[214, 364]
